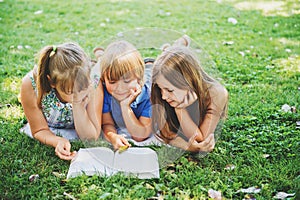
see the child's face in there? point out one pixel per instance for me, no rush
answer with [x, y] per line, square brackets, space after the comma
[171, 94]
[121, 89]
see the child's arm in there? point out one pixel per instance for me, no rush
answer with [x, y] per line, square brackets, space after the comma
[219, 97]
[38, 124]
[189, 128]
[87, 112]
[139, 129]
[110, 132]
[193, 146]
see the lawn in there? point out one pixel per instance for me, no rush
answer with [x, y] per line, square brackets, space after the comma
[251, 46]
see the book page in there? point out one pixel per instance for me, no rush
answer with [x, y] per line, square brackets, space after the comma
[91, 161]
[140, 162]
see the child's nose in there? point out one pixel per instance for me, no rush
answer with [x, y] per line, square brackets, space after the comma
[164, 95]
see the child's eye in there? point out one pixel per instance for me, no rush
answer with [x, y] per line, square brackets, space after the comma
[111, 82]
[69, 92]
[127, 80]
[170, 90]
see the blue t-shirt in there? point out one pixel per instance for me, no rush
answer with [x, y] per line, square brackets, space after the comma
[141, 106]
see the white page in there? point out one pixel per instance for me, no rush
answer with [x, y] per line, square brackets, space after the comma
[141, 162]
[90, 161]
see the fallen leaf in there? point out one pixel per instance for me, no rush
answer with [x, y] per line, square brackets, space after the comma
[293, 109]
[216, 195]
[228, 43]
[283, 195]
[266, 155]
[229, 167]
[242, 53]
[288, 50]
[33, 177]
[148, 186]
[250, 190]
[123, 148]
[59, 175]
[285, 108]
[69, 196]
[232, 20]
[38, 12]
[249, 197]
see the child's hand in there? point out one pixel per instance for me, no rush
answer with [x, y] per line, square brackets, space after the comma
[189, 98]
[119, 141]
[82, 97]
[62, 149]
[206, 146]
[133, 94]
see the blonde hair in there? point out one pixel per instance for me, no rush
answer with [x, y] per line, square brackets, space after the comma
[60, 66]
[181, 68]
[121, 59]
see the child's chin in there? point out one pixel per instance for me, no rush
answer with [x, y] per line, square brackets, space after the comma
[120, 98]
[173, 104]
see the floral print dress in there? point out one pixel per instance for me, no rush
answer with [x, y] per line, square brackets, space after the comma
[57, 113]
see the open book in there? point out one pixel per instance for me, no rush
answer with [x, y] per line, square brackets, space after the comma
[102, 161]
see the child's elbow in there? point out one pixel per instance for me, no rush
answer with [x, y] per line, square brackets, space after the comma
[141, 139]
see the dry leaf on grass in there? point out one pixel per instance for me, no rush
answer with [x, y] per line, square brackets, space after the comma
[250, 190]
[283, 195]
[33, 177]
[229, 167]
[216, 195]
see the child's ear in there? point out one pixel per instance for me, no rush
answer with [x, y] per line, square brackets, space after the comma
[50, 81]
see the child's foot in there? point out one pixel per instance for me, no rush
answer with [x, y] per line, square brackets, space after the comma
[165, 46]
[149, 61]
[98, 52]
[183, 41]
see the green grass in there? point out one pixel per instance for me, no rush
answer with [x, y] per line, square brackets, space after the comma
[259, 83]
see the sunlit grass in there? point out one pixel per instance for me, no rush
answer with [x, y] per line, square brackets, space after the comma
[270, 8]
[289, 65]
[286, 41]
[260, 70]
[11, 112]
[11, 84]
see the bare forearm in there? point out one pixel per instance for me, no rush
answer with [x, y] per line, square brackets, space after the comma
[189, 128]
[193, 146]
[179, 143]
[84, 126]
[109, 132]
[46, 137]
[133, 125]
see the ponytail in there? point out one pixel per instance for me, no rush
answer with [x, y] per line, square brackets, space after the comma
[43, 71]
